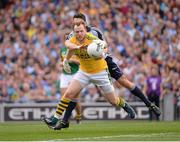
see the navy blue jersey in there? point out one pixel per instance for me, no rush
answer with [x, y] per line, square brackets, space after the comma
[95, 31]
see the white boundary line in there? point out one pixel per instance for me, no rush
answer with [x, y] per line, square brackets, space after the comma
[115, 136]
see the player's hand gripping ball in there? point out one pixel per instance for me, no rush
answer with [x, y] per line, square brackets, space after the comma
[96, 48]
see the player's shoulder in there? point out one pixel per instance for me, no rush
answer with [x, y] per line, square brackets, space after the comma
[97, 32]
[90, 36]
[95, 29]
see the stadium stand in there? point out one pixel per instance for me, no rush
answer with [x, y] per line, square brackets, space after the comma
[139, 33]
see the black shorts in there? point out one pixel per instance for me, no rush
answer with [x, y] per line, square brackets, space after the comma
[114, 70]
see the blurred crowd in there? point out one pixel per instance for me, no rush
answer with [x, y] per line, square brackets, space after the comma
[140, 33]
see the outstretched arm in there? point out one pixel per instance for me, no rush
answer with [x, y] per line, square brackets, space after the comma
[70, 45]
[69, 54]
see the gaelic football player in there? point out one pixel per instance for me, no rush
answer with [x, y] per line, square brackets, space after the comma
[91, 71]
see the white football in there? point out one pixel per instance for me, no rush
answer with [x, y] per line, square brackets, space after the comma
[96, 48]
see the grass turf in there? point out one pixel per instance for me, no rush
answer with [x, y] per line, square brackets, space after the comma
[93, 131]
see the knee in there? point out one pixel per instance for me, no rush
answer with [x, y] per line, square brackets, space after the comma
[70, 94]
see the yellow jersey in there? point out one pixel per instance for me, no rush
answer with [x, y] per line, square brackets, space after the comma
[87, 63]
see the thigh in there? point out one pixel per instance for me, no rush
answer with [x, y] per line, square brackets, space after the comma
[73, 90]
[79, 81]
[65, 80]
[103, 81]
[82, 77]
[125, 82]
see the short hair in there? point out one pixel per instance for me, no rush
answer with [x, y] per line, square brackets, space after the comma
[81, 16]
[78, 24]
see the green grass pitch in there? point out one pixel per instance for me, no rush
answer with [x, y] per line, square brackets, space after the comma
[92, 131]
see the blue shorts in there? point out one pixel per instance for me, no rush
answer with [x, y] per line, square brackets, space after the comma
[114, 69]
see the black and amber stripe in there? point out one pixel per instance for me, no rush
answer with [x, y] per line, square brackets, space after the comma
[120, 102]
[63, 104]
[78, 117]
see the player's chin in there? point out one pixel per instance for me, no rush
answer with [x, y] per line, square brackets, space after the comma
[81, 38]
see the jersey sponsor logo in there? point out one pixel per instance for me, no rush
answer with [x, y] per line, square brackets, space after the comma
[82, 53]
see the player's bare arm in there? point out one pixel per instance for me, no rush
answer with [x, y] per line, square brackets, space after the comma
[71, 46]
[69, 54]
